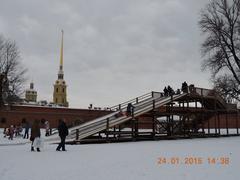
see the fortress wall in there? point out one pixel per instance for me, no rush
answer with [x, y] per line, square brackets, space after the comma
[17, 114]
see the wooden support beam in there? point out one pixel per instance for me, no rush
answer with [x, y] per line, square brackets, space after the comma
[153, 126]
[136, 127]
[77, 134]
[237, 117]
[133, 128]
[215, 123]
[119, 130]
[208, 125]
[114, 130]
[153, 121]
[107, 129]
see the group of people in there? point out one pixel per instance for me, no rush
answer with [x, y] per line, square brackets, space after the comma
[15, 131]
[12, 131]
[168, 90]
[36, 135]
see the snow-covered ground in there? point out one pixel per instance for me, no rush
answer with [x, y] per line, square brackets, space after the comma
[123, 161]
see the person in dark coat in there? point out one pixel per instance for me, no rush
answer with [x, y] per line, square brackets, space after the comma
[170, 91]
[184, 87]
[63, 132]
[130, 109]
[26, 134]
[35, 132]
[165, 91]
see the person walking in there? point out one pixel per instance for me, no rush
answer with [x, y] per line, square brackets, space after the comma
[11, 132]
[35, 133]
[47, 128]
[130, 109]
[63, 132]
[26, 133]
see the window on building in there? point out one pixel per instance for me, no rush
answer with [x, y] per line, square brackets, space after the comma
[56, 89]
[63, 90]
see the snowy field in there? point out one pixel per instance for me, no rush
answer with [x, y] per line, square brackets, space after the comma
[179, 160]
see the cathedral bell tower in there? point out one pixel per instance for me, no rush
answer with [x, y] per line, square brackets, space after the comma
[60, 87]
[31, 94]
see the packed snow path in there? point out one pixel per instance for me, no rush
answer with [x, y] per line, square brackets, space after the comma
[122, 161]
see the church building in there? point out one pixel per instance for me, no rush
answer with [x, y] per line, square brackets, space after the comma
[60, 87]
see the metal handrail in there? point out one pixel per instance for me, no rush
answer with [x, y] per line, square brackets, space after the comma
[90, 124]
[134, 101]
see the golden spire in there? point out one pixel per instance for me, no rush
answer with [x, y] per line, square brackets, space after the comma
[60, 72]
[61, 53]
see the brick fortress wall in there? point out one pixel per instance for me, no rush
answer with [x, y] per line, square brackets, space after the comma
[15, 115]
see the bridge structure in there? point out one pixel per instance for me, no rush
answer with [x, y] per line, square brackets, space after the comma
[195, 113]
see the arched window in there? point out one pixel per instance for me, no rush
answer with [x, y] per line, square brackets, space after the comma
[63, 90]
[56, 89]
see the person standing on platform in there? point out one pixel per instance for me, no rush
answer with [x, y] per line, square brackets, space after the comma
[184, 87]
[63, 132]
[165, 91]
[170, 91]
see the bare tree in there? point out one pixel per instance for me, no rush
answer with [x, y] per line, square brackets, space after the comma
[11, 72]
[220, 23]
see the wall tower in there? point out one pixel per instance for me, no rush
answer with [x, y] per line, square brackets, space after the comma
[31, 94]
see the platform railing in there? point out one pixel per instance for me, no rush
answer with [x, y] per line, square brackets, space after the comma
[136, 100]
[210, 93]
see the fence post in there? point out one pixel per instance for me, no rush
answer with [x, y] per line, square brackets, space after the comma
[237, 117]
[153, 104]
[227, 123]
[107, 127]
[77, 134]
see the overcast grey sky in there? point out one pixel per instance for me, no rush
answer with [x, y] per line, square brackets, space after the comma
[113, 49]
